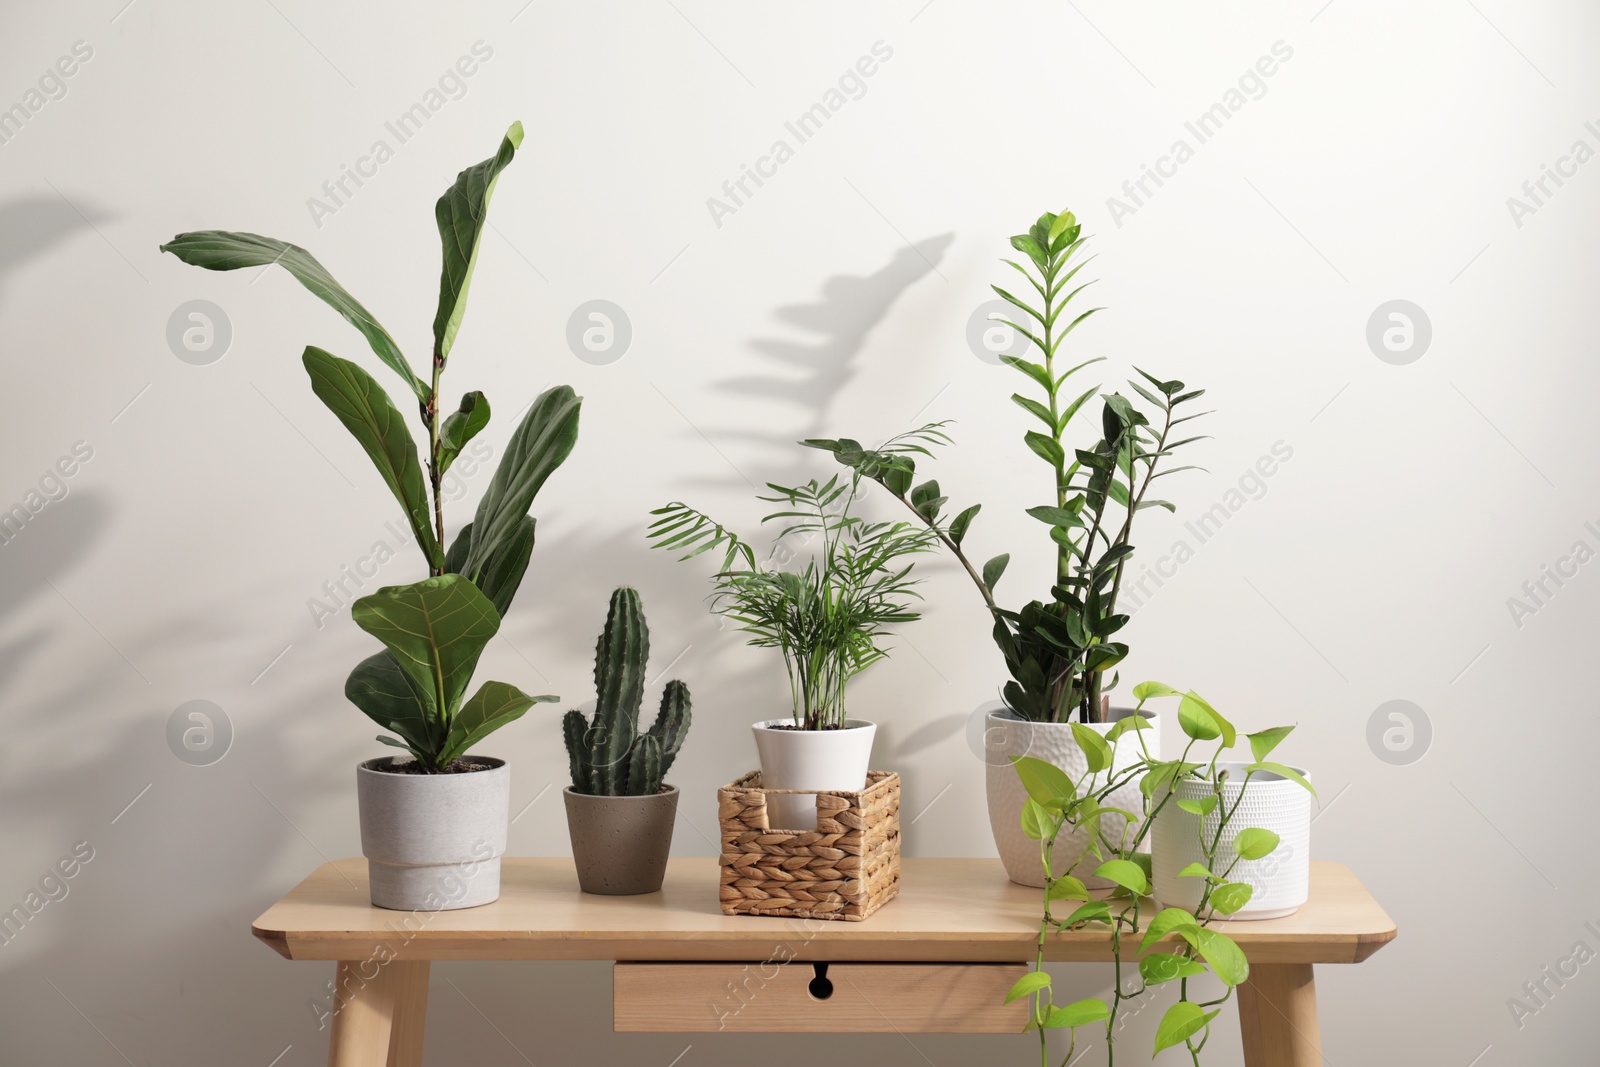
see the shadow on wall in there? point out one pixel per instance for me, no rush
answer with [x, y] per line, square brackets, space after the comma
[32, 225]
[811, 373]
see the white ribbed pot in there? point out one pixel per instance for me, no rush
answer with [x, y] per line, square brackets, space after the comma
[1280, 882]
[1008, 735]
[433, 842]
[810, 759]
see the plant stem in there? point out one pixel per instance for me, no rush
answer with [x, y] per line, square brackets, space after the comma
[430, 415]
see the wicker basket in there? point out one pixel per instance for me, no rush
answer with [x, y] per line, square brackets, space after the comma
[847, 868]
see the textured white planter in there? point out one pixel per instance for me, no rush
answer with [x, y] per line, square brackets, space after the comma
[1280, 881]
[433, 842]
[810, 759]
[1007, 736]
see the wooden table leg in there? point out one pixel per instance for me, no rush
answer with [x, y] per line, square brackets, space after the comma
[379, 1014]
[1278, 1016]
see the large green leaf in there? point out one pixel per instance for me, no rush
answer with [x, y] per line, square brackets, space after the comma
[540, 443]
[461, 212]
[1182, 1021]
[381, 689]
[226, 250]
[491, 707]
[436, 629]
[502, 572]
[370, 416]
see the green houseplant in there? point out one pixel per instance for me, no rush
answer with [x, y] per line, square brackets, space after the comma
[1057, 650]
[827, 618]
[435, 629]
[619, 810]
[1175, 944]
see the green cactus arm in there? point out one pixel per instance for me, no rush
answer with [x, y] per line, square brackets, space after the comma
[573, 726]
[644, 767]
[672, 723]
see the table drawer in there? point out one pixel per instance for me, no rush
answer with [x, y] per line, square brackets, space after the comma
[798, 997]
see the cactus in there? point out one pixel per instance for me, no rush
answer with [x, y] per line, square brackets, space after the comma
[609, 756]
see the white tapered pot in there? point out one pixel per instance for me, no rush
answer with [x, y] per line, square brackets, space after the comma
[1006, 736]
[1280, 882]
[823, 760]
[433, 842]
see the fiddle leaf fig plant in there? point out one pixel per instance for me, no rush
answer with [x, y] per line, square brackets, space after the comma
[433, 630]
[1059, 650]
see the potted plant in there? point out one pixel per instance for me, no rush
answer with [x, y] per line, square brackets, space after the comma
[1058, 650]
[827, 618]
[433, 826]
[1178, 942]
[619, 811]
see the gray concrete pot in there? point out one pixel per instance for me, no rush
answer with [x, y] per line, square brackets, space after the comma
[620, 844]
[433, 842]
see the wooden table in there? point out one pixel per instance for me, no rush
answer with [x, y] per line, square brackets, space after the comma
[938, 959]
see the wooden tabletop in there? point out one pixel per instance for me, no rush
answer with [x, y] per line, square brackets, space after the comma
[948, 910]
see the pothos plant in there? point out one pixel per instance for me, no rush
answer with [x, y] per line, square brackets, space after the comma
[1173, 945]
[435, 629]
[1057, 651]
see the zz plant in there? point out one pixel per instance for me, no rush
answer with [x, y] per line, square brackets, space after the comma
[829, 617]
[434, 630]
[1174, 944]
[609, 756]
[1057, 651]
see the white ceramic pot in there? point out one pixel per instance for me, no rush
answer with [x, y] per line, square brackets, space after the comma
[1280, 881]
[810, 759]
[1006, 736]
[433, 842]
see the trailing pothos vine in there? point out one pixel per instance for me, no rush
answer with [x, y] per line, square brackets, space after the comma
[1175, 944]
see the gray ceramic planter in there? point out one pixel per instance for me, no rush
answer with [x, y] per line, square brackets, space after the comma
[433, 842]
[620, 844]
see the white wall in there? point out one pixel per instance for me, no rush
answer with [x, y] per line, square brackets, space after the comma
[1377, 565]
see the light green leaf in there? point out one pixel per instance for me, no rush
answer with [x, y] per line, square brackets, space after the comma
[436, 629]
[1201, 807]
[1284, 772]
[225, 250]
[1196, 719]
[1262, 742]
[1196, 870]
[1229, 897]
[1167, 921]
[540, 443]
[1045, 782]
[461, 212]
[1095, 749]
[1255, 843]
[1036, 821]
[370, 416]
[1097, 910]
[1125, 873]
[1027, 985]
[1067, 888]
[1159, 967]
[1126, 725]
[1078, 1013]
[1224, 956]
[1149, 690]
[1182, 1021]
